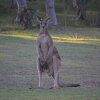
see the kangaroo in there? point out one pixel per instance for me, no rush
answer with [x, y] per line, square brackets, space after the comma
[48, 60]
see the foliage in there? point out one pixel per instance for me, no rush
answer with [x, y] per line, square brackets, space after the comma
[65, 15]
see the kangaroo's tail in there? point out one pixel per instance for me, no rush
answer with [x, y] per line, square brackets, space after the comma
[62, 84]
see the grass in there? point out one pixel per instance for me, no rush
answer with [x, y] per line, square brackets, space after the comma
[80, 64]
[79, 49]
[62, 94]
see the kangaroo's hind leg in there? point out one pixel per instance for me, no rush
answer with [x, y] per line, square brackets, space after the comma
[40, 84]
[56, 67]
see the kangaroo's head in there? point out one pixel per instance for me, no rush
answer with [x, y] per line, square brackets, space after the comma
[43, 22]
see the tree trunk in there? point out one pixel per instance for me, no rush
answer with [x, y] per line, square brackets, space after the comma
[81, 10]
[23, 15]
[13, 3]
[21, 4]
[50, 12]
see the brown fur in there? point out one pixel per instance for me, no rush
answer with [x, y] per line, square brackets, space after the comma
[48, 56]
[49, 60]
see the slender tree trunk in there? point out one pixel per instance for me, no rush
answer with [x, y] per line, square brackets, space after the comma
[13, 3]
[81, 10]
[23, 15]
[21, 4]
[50, 12]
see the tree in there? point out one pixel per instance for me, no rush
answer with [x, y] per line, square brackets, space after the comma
[13, 3]
[50, 12]
[81, 10]
[21, 5]
[23, 14]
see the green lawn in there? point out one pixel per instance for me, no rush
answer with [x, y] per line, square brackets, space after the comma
[79, 49]
[80, 52]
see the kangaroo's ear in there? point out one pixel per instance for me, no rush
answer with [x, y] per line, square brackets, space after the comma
[47, 19]
[39, 19]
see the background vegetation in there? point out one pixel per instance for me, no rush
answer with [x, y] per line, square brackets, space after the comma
[64, 10]
[78, 43]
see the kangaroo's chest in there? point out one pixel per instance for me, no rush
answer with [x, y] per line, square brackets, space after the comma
[44, 39]
[44, 44]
